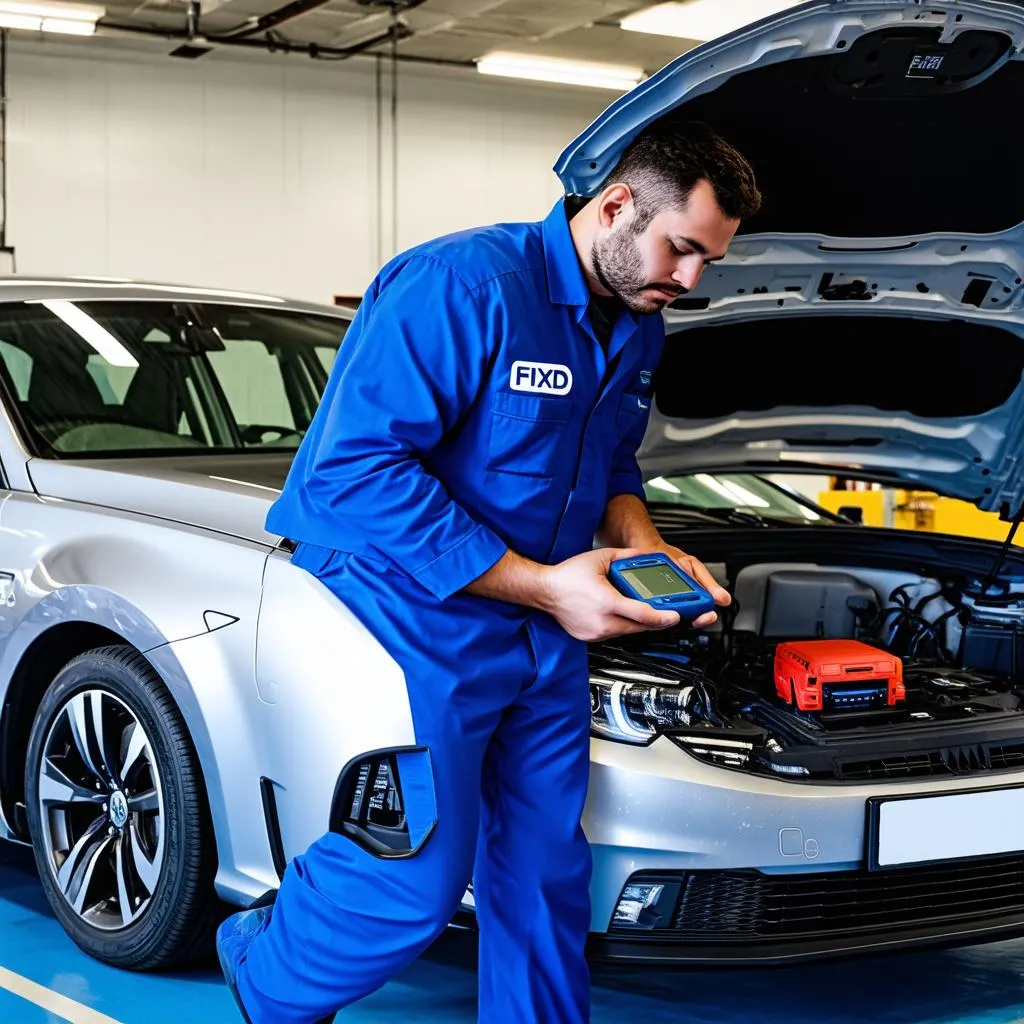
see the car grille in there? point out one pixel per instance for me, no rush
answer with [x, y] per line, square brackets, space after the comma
[969, 760]
[750, 906]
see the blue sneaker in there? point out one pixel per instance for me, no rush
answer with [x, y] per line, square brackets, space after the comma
[234, 937]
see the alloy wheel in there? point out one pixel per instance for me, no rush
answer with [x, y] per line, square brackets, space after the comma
[101, 806]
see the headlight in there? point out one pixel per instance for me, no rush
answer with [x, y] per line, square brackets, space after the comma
[634, 707]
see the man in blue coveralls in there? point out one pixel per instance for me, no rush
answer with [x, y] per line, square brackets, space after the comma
[479, 428]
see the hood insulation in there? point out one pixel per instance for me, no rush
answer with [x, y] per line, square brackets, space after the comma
[930, 368]
[854, 145]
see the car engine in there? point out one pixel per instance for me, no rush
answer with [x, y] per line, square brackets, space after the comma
[957, 654]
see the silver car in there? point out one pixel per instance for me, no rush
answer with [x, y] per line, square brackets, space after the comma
[183, 710]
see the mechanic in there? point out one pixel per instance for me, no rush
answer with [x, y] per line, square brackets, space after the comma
[478, 430]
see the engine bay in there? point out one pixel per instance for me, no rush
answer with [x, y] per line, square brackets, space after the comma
[822, 673]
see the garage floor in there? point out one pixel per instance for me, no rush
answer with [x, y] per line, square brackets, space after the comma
[981, 985]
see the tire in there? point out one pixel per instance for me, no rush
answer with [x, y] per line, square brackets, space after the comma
[119, 822]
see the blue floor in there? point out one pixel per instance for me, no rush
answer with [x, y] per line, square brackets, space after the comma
[979, 985]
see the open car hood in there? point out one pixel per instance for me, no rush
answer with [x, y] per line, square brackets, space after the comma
[868, 321]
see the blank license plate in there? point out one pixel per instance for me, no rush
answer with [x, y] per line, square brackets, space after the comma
[919, 830]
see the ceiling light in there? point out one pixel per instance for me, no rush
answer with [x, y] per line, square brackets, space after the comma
[98, 337]
[24, 21]
[661, 484]
[564, 72]
[702, 19]
[65, 18]
[67, 27]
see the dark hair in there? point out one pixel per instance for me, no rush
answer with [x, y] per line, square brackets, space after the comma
[663, 163]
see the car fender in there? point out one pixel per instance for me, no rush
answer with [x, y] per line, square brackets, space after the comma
[151, 582]
[328, 692]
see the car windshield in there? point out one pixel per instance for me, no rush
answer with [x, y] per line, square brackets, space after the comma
[106, 378]
[729, 494]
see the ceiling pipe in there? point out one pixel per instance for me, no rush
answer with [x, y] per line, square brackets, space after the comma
[272, 19]
[296, 8]
[314, 50]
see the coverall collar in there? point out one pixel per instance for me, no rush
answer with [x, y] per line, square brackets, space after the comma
[568, 287]
[566, 284]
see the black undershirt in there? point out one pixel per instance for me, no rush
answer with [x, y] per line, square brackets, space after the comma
[604, 311]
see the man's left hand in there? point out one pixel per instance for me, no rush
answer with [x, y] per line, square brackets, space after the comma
[699, 571]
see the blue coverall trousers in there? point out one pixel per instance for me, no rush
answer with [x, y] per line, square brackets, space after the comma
[499, 696]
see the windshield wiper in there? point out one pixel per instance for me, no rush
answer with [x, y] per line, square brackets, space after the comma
[740, 516]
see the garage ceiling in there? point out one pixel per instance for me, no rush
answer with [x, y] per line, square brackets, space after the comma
[457, 31]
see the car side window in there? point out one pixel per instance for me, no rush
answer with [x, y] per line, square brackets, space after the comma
[123, 376]
[19, 367]
[326, 354]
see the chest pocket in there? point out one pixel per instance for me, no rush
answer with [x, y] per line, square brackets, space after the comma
[528, 434]
[633, 409]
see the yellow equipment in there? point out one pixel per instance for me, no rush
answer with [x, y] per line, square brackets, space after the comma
[920, 510]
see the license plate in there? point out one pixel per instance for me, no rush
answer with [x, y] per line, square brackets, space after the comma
[932, 829]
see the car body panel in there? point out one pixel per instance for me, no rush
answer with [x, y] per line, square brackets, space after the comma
[226, 494]
[277, 705]
[324, 683]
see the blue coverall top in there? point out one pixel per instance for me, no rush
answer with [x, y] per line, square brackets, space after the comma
[471, 409]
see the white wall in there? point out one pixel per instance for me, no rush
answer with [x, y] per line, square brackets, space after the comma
[261, 172]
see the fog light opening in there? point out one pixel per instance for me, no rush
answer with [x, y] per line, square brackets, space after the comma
[646, 905]
[384, 801]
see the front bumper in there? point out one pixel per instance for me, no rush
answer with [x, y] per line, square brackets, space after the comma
[656, 951]
[760, 870]
[750, 917]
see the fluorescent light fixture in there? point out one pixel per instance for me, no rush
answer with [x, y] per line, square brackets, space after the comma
[66, 27]
[731, 491]
[65, 18]
[702, 19]
[744, 497]
[95, 334]
[24, 21]
[563, 72]
[659, 483]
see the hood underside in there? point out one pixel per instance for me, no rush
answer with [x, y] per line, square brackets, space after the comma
[854, 114]
[868, 320]
[912, 400]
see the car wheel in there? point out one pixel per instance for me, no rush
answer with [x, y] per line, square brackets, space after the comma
[118, 814]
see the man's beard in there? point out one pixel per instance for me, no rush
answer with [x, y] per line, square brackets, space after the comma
[619, 268]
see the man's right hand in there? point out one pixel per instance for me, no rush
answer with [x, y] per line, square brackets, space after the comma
[586, 605]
